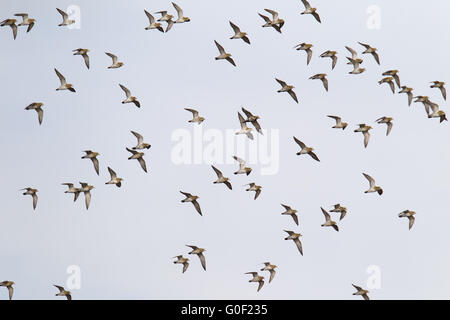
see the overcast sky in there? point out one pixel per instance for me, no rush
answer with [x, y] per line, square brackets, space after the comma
[124, 242]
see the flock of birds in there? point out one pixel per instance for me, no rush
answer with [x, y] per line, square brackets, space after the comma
[390, 77]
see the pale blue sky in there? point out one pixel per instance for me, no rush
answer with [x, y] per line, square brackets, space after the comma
[125, 241]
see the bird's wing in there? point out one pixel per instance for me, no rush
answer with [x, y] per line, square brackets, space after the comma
[334, 59]
[357, 288]
[86, 60]
[30, 26]
[266, 19]
[202, 260]
[230, 60]
[139, 137]
[228, 184]
[96, 166]
[179, 10]
[197, 206]
[273, 13]
[35, 200]
[218, 172]
[63, 14]
[186, 194]
[371, 180]
[261, 283]
[389, 127]
[306, 4]
[314, 156]
[185, 266]
[316, 15]
[376, 56]
[40, 114]
[235, 28]
[366, 138]
[242, 121]
[150, 17]
[299, 245]
[61, 77]
[142, 163]
[113, 57]
[294, 216]
[247, 113]
[125, 89]
[444, 92]
[301, 144]
[194, 112]
[309, 56]
[241, 161]
[258, 192]
[132, 151]
[23, 15]
[221, 49]
[411, 221]
[325, 83]
[281, 82]
[326, 214]
[353, 52]
[293, 95]
[272, 275]
[112, 173]
[87, 199]
[257, 126]
[61, 289]
[10, 291]
[336, 118]
[364, 45]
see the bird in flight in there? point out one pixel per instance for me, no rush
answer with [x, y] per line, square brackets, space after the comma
[287, 88]
[238, 34]
[199, 252]
[26, 21]
[37, 106]
[306, 150]
[82, 52]
[244, 129]
[182, 260]
[33, 193]
[365, 131]
[9, 286]
[254, 187]
[372, 51]
[295, 237]
[341, 209]
[221, 178]
[72, 189]
[410, 215]
[311, 11]
[393, 74]
[12, 24]
[93, 156]
[330, 54]
[64, 85]
[271, 268]
[114, 179]
[372, 186]
[253, 119]
[322, 77]
[361, 292]
[66, 21]
[242, 168]
[181, 17]
[140, 142]
[339, 123]
[328, 221]
[223, 54]
[440, 85]
[115, 62]
[129, 97]
[307, 48]
[153, 24]
[63, 292]
[193, 199]
[256, 278]
[195, 117]
[290, 212]
[139, 156]
[388, 122]
[86, 189]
